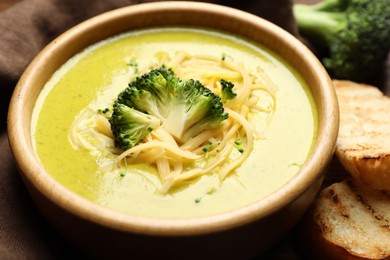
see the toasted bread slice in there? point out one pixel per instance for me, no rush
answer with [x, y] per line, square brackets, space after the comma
[347, 221]
[363, 145]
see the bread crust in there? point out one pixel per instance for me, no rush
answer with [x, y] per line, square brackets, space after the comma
[347, 221]
[363, 145]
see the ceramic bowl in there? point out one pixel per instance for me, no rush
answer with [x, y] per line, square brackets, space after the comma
[241, 233]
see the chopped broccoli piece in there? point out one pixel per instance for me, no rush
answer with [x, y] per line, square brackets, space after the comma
[104, 111]
[354, 35]
[183, 108]
[207, 147]
[130, 126]
[238, 145]
[227, 92]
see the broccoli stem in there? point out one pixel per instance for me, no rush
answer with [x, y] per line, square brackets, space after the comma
[320, 25]
[352, 37]
[325, 5]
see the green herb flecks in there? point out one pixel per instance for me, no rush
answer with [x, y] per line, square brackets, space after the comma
[239, 146]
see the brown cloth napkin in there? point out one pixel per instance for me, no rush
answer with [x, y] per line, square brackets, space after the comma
[25, 29]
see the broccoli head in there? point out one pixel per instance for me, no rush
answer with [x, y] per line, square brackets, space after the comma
[354, 34]
[194, 109]
[130, 126]
[183, 108]
[151, 93]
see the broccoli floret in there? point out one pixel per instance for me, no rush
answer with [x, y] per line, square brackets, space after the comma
[194, 109]
[353, 34]
[183, 108]
[227, 92]
[151, 93]
[130, 126]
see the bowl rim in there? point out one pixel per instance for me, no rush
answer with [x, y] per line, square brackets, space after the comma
[19, 129]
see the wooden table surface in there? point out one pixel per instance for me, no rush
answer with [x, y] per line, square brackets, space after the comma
[286, 249]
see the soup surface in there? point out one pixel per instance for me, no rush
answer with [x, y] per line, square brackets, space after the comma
[95, 76]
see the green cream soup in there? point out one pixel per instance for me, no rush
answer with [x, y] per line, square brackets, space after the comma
[108, 66]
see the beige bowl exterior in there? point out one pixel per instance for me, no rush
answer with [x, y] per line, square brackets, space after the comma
[102, 232]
